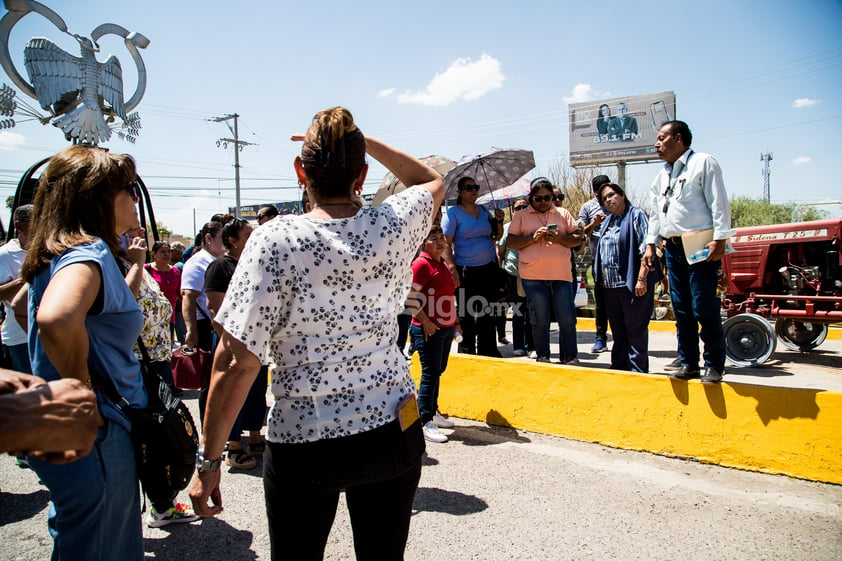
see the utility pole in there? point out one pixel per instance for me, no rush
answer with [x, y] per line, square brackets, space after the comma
[238, 146]
[766, 157]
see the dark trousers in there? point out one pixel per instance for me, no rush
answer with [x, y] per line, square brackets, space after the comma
[253, 413]
[521, 327]
[629, 317]
[379, 471]
[695, 303]
[600, 313]
[478, 298]
[433, 352]
[206, 337]
[404, 321]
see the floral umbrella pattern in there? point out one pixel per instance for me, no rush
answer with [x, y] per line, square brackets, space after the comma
[505, 197]
[492, 169]
[391, 185]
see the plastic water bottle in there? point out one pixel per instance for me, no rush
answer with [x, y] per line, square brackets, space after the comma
[457, 337]
[700, 255]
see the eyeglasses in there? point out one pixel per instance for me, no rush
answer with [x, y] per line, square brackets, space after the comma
[542, 198]
[470, 188]
[558, 197]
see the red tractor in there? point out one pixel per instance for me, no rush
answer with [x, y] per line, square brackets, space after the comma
[789, 273]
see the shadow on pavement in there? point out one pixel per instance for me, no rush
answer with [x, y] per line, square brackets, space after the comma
[210, 540]
[431, 499]
[499, 431]
[14, 508]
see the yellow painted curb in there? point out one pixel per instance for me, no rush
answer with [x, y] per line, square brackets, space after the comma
[760, 428]
[587, 324]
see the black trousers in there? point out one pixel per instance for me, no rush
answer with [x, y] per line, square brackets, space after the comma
[478, 300]
[379, 471]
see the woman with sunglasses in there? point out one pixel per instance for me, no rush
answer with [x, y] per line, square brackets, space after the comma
[84, 322]
[472, 259]
[543, 235]
[252, 415]
[317, 297]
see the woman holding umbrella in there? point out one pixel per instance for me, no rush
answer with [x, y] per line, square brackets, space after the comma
[471, 256]
[543, 235]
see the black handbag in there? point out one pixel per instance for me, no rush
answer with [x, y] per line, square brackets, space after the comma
[163, 433]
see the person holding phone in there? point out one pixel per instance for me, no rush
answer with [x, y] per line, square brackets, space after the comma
[543, 235]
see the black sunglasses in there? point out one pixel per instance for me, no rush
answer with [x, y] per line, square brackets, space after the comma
[558, 197]
[542, 198]
[470, 188]
[521, 207]
[132, 189]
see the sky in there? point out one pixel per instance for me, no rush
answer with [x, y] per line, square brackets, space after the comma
[452, 78]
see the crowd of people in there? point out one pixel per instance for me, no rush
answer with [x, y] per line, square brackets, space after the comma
[317, 297]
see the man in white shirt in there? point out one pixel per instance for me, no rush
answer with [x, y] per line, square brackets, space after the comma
[689, 194]
[11, 258]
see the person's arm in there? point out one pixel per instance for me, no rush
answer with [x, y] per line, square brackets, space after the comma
[20, 305]
[234, 370]
[214, 302]
[409, 170]
[447, 257]
[720, 209]
[8, 290]
[515, 241]
[188, 311]
[136, 257]
[56, 421]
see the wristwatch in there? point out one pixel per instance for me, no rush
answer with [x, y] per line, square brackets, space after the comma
[204, 465]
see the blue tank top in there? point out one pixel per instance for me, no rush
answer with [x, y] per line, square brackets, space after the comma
[112, 332]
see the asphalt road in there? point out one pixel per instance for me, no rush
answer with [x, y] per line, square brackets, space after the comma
[493, 494]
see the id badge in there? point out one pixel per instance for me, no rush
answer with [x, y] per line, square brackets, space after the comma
[408, 411]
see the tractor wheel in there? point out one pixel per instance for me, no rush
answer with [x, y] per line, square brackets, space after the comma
[749, 340]
[800, 335]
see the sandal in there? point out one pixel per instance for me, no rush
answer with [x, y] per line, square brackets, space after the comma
[256, 449]
[240, 459]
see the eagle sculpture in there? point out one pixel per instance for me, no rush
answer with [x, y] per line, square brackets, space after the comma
[82, 92]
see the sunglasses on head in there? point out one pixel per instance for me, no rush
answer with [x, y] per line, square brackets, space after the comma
[470, 188]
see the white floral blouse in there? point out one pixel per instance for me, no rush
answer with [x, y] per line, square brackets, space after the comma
[318, 301]
[157, 311]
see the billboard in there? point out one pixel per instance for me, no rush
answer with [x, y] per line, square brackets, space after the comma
[249, 212]
[622, 129]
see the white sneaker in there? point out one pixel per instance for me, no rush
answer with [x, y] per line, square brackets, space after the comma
[179, 513]
[442, 422]
[431, 433]
[533, 354]
[519, 352]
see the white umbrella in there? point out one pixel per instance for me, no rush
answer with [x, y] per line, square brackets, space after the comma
[391, 185]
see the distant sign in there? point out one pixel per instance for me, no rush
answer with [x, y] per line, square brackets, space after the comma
[622, 129]
[249, 212]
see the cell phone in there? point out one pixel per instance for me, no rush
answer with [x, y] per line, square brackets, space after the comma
[552, 226]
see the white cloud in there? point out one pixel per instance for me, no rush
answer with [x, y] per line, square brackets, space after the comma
[584, 92]
[11, 140]
[464, 79]
[801, 160]
[805, 102]
[388, 92]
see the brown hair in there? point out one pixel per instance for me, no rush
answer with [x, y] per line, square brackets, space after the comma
[74, 203]
[333, 154]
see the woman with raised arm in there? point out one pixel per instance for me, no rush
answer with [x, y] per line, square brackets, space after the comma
[316, 297]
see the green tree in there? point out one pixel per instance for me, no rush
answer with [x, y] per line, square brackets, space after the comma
[755, 212]
[163, 232]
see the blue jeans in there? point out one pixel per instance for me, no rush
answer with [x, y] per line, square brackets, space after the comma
[542, 296]
[695, 303]
[433, 353]
[95, 503]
